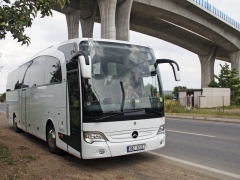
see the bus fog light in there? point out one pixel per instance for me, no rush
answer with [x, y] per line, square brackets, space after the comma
[161, 129]
[101, 151]
[91, 137]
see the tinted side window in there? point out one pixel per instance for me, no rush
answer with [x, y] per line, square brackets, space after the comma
[36, 72]
[53, 72]
[72, 64]
[23, 70]
[15, 79]
[27, 76]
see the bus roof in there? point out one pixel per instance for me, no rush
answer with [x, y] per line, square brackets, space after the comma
[78, 40]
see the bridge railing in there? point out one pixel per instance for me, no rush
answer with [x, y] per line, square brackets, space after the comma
[217, 12]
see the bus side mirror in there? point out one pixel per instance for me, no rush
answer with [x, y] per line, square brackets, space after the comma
[75, 55]
[175, 67]
[85, 63]
[86, 70]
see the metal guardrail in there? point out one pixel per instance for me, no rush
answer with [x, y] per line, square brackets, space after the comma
[217, 12]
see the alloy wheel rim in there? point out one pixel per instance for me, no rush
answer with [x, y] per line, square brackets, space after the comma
[51, 138]
[15, 123]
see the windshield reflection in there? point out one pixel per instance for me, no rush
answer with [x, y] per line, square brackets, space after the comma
[123, 78]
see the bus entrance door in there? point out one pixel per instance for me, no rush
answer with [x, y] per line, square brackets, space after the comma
[23, 110]
[74, 140]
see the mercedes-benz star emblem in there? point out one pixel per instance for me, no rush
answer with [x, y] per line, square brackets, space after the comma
[135, 123]
[135, 134]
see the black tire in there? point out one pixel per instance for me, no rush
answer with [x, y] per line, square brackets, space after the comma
[17, 130]
[51, 140]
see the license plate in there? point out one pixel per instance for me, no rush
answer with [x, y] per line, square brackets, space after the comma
[136, 147]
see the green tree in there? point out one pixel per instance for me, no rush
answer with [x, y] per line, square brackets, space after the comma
[227, 79]
[3, 97]
[176, 89]
[18, 15]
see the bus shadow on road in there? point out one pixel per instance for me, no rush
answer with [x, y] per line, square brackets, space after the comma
[99, 164]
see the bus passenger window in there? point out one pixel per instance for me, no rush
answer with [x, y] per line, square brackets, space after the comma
[27, 76]
[15, 76]
[37, 72]
[53, 71]
[23, 69]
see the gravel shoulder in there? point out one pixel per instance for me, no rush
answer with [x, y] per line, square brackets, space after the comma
[27, 157]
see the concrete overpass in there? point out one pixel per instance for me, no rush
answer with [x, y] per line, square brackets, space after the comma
[182, 22]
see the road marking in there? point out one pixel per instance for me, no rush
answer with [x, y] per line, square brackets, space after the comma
[204, 121]
[197, 165]
[190, 133]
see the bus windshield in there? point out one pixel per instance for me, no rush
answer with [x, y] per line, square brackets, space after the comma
[124, 83]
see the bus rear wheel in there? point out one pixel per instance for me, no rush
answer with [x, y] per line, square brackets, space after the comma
[51, 140]
[17, 130]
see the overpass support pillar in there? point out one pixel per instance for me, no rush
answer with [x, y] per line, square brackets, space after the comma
[107, 13]
[235, 61]
[87, 22]
[123, 20]
[207, 67]
[73, 24]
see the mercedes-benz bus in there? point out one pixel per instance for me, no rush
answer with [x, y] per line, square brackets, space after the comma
[91, 98]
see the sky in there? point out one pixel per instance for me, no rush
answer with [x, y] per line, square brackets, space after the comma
[52, 30]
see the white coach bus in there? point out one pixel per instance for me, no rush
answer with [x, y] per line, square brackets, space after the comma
[91, 98]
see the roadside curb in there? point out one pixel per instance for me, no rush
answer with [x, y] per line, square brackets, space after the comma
[216, 119]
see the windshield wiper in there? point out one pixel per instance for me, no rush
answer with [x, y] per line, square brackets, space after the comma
[157, 112]
[114, 113]
[110, 115]
[123, 96]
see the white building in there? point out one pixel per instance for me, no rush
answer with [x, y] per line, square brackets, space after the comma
[205, 97]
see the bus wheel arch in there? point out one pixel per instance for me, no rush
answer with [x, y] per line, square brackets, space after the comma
[51, 138]
[17, 130]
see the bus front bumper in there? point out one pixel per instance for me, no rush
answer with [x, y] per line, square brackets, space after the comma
[108, 149]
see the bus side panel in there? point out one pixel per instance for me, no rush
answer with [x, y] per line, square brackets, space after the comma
[12, 99]
[33, 111]
[44, 103]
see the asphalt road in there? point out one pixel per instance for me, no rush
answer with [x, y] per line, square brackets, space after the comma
[215, 145]
[2, 107]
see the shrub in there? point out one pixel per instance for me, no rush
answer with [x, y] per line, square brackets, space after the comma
[236, 101]
[3, 97]
[168, 97]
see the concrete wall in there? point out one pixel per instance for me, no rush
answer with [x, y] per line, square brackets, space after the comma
[215, 97]
[182, 98]
[182, 95]
[196, 98]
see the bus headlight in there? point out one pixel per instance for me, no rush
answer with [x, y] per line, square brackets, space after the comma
[161, 129]
[91, 137]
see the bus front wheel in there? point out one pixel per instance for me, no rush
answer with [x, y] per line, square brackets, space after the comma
[51, 140]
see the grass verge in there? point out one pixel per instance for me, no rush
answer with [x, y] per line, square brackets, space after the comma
[5, 155]
[28, 157]
[174, 108]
